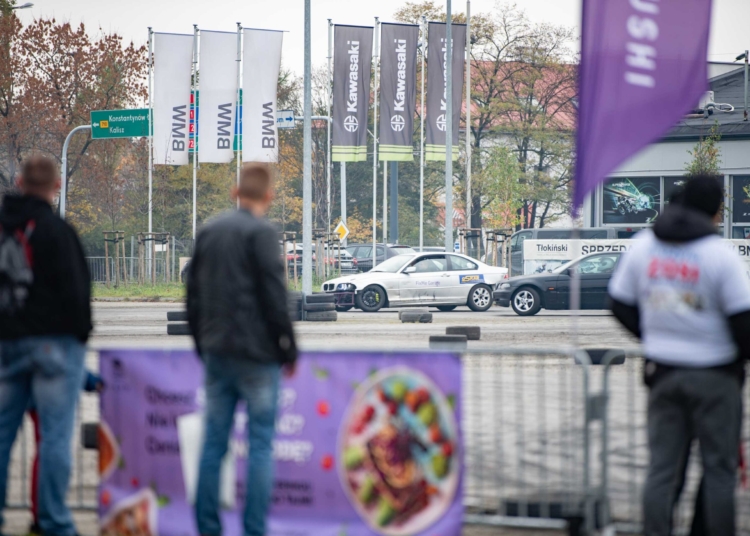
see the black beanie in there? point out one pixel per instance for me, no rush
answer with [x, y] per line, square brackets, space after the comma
[703, 193]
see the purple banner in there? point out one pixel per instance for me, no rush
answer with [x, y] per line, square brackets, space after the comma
[643, 66]
[366, 443]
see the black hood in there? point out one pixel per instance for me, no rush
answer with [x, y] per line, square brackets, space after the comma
[681, 224]
[18, 209]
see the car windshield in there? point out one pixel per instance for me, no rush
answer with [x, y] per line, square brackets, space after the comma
[394, 264]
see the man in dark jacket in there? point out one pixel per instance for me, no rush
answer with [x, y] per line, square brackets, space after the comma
[237, 309]
[45, 320]
[687, 296]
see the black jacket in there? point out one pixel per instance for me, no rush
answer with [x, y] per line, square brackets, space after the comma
[59, 301]
[681, 224]
[237, 300]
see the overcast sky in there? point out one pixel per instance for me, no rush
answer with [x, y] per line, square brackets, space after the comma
[729, 30]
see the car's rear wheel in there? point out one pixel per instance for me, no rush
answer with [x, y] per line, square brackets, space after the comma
[480, 298]
[446, 308]
[344, 308]
[371, 298]
[526, 301]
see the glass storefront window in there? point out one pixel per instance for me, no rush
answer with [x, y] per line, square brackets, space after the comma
[740, 200]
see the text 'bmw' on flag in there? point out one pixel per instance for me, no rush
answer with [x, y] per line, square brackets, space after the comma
[437, 87]
[261, 63]
[218, 96]
[643, 66]
[173, 64]
[398, 90]
[352, 60]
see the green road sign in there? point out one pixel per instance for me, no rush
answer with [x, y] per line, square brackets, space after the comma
[119, 123]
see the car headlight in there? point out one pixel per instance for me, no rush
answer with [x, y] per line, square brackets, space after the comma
[345, 287]
[503, 286]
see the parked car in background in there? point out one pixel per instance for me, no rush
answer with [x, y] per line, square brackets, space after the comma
[294, 256]
[528, 294]
[334, 255]
[363, 253]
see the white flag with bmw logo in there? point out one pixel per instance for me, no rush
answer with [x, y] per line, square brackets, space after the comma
[398, 90]
[352, 60]
[261, 62]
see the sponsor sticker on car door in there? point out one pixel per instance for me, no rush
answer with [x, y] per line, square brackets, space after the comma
[471, 279]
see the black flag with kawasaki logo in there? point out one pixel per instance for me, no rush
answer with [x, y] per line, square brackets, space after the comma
[437, 87]
[398, 91]
[352, 63]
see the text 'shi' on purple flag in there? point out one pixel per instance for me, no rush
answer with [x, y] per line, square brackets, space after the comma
[643, 66]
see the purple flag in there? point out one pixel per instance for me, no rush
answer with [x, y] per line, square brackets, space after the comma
[643, 66]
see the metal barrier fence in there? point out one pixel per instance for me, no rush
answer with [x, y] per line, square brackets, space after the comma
[97, 268]
[550, 441]
[526, 421]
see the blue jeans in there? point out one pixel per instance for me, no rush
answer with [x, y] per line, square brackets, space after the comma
[49, 372]
[228, 380]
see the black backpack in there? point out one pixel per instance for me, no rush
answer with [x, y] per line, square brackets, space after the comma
[16, 263]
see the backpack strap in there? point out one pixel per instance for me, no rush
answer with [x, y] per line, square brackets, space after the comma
[23, 239]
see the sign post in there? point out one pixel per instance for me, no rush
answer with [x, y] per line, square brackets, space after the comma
[108, 124]
[104, 124]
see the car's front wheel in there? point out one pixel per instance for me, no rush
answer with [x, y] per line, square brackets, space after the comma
[526, 301]
[480, 298]
[446, 308]
[371, 298]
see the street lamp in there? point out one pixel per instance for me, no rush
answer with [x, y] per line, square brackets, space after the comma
[745, 56]
[27, 5]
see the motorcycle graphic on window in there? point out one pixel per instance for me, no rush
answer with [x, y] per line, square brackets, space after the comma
[631, 201]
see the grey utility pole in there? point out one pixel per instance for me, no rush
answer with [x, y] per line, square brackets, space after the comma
[307, 165]
[448, 129]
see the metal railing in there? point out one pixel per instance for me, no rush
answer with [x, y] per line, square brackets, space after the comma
[526, 422]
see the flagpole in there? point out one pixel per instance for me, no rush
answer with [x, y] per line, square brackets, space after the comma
[195, 129]
[150, 131]
[421, 140]
[468, 116]
[385, 203]
[342, 167]
[307, 161]
[375, 58]
[238, 115]
[329, 164]
[448, 128]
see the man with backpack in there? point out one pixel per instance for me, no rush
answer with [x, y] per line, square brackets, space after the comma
[687, 296]
[45, 320]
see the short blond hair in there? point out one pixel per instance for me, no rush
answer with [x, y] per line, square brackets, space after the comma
[256, 180]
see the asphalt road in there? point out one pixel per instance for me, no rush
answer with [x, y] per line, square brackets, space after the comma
[121, 324]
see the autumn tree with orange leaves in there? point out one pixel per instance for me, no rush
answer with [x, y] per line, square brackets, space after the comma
[52, 75]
